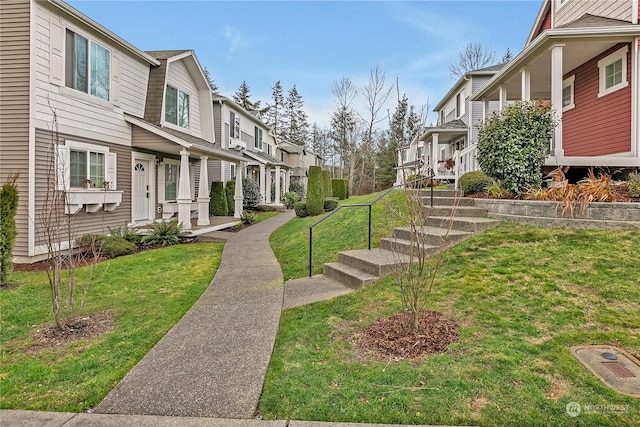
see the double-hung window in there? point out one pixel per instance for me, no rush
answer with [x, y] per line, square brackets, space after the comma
[81, 165]
[568, 93]
[613, 72]
[258, 138]
[176, 107]
[234, 125]
[87, 66]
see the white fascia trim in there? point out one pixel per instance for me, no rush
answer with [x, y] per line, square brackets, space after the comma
[31, 189]
[556, 33]
[620, 54]
[104, 32]
[616, 160]
[635, 97]
[538, 21]
[634, 15]
[566, 83]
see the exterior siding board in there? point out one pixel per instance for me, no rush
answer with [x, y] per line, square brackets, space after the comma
[597, 126]
[179, 77]
[15, 40]
[76, 110]
[82, 222]
[574, 9]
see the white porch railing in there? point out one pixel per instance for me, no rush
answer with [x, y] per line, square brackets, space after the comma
[465, 161]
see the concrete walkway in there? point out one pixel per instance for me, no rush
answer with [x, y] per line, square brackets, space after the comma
[212, 363]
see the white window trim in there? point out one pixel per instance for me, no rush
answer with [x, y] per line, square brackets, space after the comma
[175, 126]
[602, 66]
[566, 83]
[161, 179]
[83, 146]
[560, 3]
[89, 41]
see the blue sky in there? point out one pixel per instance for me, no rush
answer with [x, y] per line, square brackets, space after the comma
[314, 43]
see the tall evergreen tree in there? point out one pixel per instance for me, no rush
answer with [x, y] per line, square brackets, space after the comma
[297, 124]
[214, 86]
[275, 111]
[242, 97]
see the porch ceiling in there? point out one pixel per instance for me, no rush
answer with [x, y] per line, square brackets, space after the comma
[445, 136]
[578, 48]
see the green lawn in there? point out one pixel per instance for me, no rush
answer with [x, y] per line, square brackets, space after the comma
[521, 296]
[147, 293]
[347, 229]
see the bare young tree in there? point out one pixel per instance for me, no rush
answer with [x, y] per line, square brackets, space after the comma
[344, 125]
[472, 57]
[374, 96]
[60, 234]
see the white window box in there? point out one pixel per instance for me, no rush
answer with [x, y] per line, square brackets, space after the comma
[92, 199]
[237, 144]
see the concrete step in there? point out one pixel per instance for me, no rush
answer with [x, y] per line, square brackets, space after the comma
[440, 193]
[460, 211]
[405, 247]
[448, 201]
[376, 262]
[347, 275]
[469, 224]
[435, 236]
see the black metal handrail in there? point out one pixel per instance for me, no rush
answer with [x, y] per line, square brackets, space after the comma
[359, 205]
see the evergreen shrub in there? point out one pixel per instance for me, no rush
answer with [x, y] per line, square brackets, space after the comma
[633, 183]
[290, 199]
[230, 191]
[251, 192]
[8, 209]
[513, 143]
[330, 204]
[339, 187]
[315, 191]
[301, 209]
[109, 246]
[218, 204]
[328, 189]
[474, 182]
[297, 186]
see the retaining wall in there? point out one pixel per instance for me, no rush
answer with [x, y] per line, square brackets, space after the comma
[549, 214]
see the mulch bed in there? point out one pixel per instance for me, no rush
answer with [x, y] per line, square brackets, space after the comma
[82, 327]
[391, 338]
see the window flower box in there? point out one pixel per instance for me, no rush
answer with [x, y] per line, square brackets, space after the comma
[92, 199]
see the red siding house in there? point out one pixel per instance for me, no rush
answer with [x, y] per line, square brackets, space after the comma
[583, 57]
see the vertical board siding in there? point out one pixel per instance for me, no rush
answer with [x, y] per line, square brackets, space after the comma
[15, 43]
[75, 109]
[597, 126]
[179, 77]
[574, 9]
[82, 222]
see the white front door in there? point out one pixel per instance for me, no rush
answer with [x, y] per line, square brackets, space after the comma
[141, 170]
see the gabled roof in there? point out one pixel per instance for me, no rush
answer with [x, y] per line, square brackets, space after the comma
[491, 70]
[542, 13]
[450, 125]
[264, 158]
[288, 147]
[224, 100]
[587, 20]
[158, 78]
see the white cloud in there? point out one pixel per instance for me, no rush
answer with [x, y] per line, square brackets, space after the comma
[236, 41]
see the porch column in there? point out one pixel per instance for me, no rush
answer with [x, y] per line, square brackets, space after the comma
[525, 76]
[238, 197]
[203, 193]
[485, 108]
[267, 200]
[556, 98]
[277, 178]
[434, 153]
[184, 192]
[263, 183]
[503, 97]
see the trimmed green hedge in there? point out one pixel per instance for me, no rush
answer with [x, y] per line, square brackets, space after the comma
[230, 190]
[301, 209]
[330, 204]
[474, 182]
[218, 203]
[340, 188]
[8, 208]
[328, 190]
[315, 191]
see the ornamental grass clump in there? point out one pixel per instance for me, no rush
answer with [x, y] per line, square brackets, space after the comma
[165, 233]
